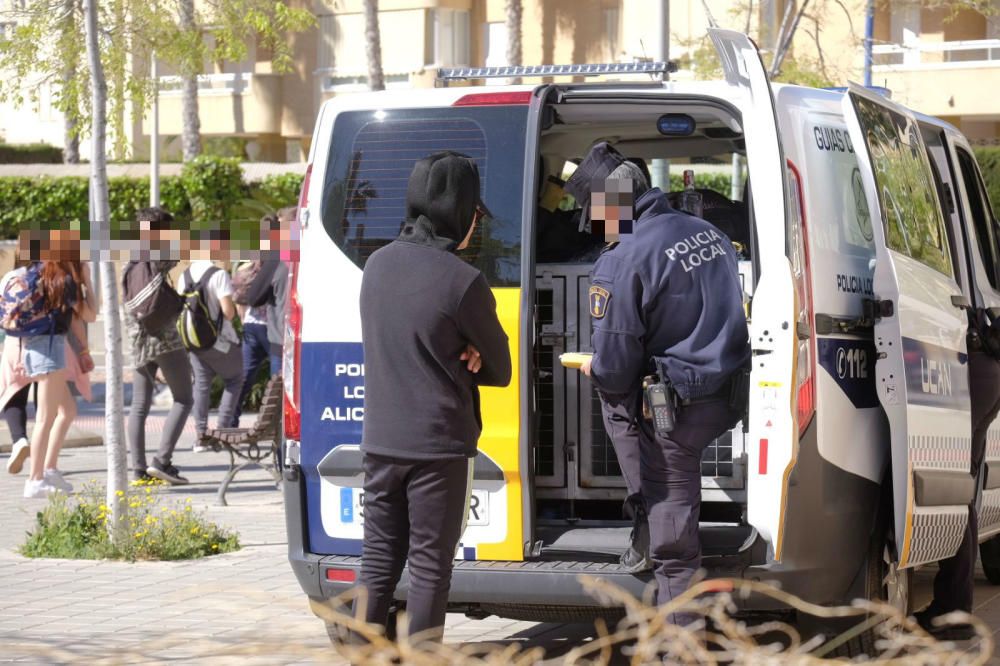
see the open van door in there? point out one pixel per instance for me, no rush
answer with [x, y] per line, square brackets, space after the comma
[772, 440]
[921, 369]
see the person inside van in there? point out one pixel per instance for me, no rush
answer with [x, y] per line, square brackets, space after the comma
[667, 309]
[431, 337]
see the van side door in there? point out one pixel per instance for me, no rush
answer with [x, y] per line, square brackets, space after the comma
[921, 367]
[981, 233]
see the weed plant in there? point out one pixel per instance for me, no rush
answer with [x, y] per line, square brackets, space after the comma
[78, 527]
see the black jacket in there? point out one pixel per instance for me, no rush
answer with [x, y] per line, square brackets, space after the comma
[420, 307]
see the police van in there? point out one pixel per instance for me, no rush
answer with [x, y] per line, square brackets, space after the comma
[865, 234]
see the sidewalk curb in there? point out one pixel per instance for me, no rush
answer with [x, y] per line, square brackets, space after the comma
[75, 439]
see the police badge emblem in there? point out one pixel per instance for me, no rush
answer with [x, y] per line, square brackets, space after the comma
[599, 298]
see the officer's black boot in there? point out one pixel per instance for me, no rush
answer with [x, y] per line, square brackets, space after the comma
[636, 558]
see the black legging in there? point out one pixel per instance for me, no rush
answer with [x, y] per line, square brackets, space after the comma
[15, 412]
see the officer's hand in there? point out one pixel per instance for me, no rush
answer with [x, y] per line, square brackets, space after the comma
[475, 361]
[585, 366]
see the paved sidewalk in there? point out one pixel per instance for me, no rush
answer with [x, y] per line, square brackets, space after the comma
[244, 606]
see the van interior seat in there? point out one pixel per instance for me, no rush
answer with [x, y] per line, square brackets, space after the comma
[728, 216]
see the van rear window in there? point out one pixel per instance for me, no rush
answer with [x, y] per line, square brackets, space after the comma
[372, 154]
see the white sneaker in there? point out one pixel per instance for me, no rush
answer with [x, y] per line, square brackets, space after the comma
[38, 489]
[54, 478]
[18, 454]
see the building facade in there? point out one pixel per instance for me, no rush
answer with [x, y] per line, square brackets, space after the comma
[938, 61]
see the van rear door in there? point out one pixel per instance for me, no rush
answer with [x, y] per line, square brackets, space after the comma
[921, 365]
[773, 429]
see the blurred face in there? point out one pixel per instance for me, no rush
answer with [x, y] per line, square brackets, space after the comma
[612, 208]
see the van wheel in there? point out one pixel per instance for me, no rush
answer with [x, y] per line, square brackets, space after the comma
[989, 556]
[884, 583]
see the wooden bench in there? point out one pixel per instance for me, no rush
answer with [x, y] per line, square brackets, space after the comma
[257, 445]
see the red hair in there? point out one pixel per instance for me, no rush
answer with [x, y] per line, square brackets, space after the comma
[55, 285]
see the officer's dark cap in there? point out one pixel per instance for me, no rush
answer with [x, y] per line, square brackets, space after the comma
[444, 188]
[597, 166]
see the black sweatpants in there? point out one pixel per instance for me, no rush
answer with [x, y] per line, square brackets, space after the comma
[414, 512]
[669, 482]
[954, 581]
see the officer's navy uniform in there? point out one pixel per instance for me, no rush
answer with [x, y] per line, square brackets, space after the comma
[420, 306]
[668, 297]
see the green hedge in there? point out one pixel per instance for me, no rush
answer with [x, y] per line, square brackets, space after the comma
[989, 162]
[209, 190]
[30, 153]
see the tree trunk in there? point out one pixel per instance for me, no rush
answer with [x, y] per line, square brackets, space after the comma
[71, 137]
[190, 124]
[373, 46]
[71, 134]
[114, 425]
[514, 11]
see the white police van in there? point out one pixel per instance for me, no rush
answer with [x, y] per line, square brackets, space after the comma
[864, 230]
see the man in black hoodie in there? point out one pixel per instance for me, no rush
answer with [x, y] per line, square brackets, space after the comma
[431, 338]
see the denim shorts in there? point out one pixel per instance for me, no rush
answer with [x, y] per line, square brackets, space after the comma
[42, 354]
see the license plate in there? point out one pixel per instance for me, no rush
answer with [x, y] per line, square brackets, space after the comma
[479, 507]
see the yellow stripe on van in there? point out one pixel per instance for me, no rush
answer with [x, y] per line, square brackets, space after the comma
[501, 409]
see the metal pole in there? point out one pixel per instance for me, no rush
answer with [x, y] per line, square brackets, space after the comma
[154, 141]
[659, 169]
[869, 38]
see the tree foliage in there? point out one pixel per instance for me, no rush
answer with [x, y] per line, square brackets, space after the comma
[48, 34]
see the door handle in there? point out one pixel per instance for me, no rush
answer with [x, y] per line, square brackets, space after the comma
[960, 301]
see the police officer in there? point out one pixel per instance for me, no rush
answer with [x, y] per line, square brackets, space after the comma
[431, 337]
[954, 582]
[665, 298]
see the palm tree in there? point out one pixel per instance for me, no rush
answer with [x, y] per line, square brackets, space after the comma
[373, 46]
[191, 125]
[514, 11]
[114, 429]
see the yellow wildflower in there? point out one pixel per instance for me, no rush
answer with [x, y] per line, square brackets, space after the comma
[120, 493]
[215, 546]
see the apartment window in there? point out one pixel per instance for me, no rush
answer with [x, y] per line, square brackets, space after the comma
[451, 37]
[342, 64]
[496, 45]
[7, 29]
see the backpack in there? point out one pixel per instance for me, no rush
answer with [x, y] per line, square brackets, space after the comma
[252, 283]
[197, 329]
[149, 296]
[23, 311]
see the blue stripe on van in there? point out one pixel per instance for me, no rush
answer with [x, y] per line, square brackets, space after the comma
[851, 363]
[331, 387]
[936, 376]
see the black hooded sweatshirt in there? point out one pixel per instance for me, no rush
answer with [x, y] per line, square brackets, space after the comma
[420, 306]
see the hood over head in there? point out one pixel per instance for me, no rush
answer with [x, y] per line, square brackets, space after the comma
[441, 199]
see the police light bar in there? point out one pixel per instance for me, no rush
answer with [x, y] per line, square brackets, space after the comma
[641, 67]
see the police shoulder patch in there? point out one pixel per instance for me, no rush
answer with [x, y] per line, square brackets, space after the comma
[599, 297]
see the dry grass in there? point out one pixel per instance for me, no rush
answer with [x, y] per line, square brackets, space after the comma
[645, 636]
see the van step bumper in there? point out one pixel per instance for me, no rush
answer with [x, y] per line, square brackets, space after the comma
[542, 583]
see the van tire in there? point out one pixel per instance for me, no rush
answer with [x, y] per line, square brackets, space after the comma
[882, 582]
[989, 556]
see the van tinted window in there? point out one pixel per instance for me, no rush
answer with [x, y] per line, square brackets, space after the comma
[982, 217]
[912, 215]
[364, 196]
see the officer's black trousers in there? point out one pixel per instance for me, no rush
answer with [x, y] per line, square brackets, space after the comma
[414, 512]
[669, 482]
[954, 582]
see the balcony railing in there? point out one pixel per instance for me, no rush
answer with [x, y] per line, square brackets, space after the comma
[937, 55]
[217, 84]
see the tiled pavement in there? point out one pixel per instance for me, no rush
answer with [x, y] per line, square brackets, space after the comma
[243, 607]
